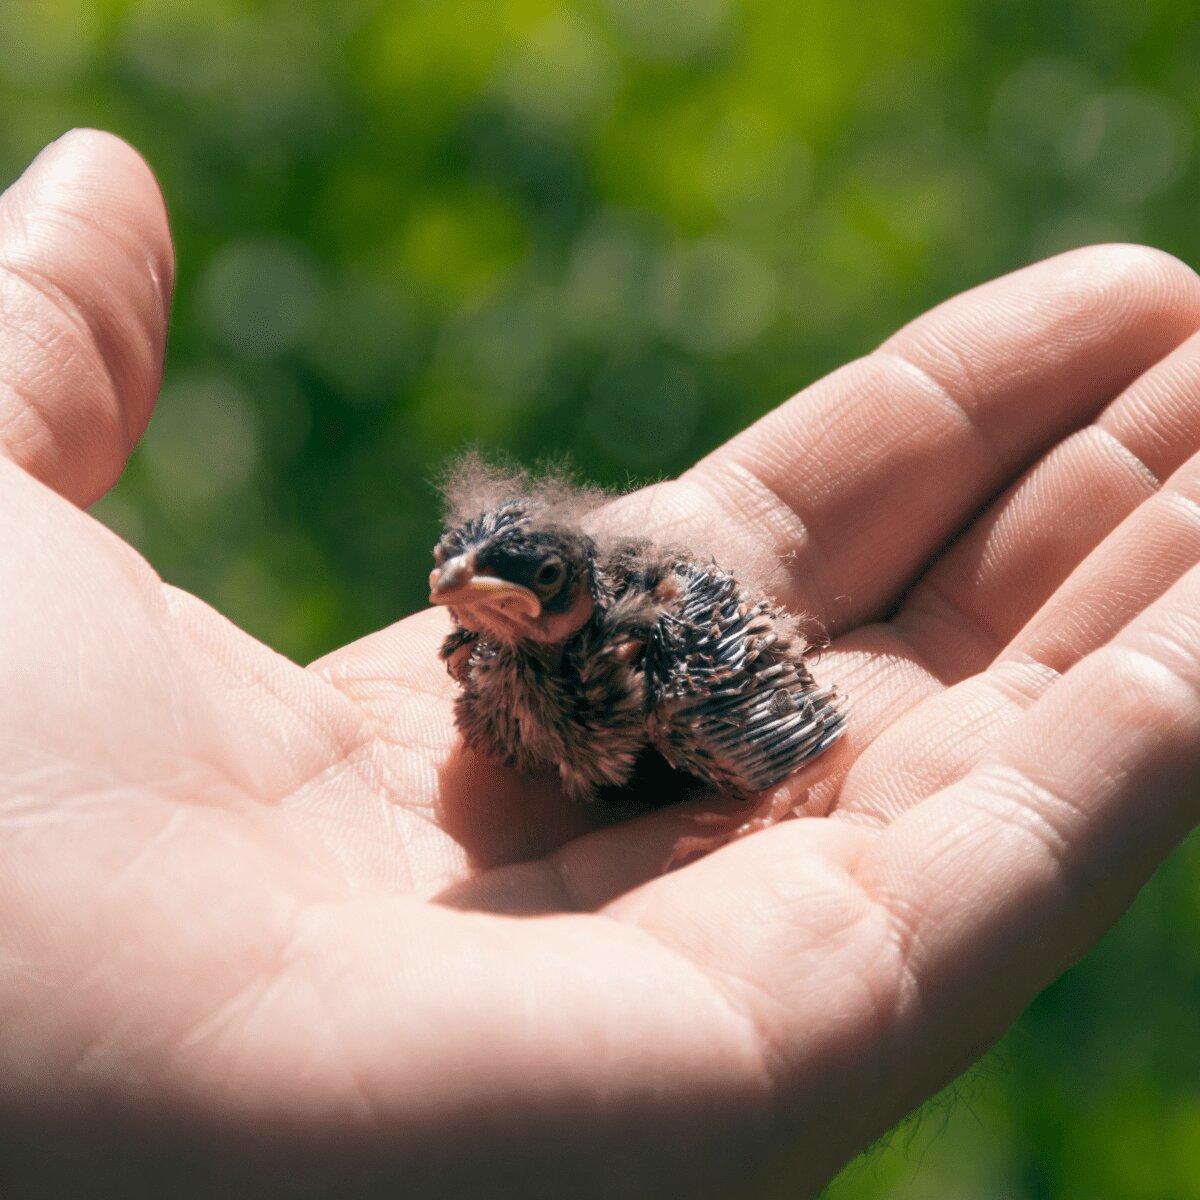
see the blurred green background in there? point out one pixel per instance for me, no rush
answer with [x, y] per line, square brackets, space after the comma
[621, 230]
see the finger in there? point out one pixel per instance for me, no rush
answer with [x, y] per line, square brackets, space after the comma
[1004, 569]
[85, 283]
[933, 745]
[1001, 576]
[837, 498]
[999, 881]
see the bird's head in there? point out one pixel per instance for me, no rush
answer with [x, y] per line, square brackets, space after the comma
[512, 574]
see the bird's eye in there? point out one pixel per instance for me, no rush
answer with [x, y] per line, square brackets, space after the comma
[550, 574]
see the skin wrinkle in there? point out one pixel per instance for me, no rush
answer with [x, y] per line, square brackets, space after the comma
[376, 738]
[917, 605]
[963, 368]
[1132, 459]
[72, 310]
[340, 746]
[240, 999]
[1170, 496]
[1004, 795]
[376, 746]
[373, 787]
[899, 996]
[1017, 691]
[1102, 273]
[747, 1023]
[1125, 649]
[1161, 418]
[347, 682]
[1116, 460]
[25, 412]
[1125, 456]
[1180, 500]
[256, 994]
[57, 346]
[737, 477]
[963, 408]
[156, 785]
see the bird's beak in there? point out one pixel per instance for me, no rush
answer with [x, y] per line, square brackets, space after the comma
[457, 584]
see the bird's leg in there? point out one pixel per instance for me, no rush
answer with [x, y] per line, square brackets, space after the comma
[775, 806]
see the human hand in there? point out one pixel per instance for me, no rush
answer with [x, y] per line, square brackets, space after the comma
[268, 923]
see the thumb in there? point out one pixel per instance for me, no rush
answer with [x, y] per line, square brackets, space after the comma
[86, 271]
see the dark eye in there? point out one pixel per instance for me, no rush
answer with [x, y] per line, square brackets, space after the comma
[550, 574]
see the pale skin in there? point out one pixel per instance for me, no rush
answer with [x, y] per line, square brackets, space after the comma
[245, 901]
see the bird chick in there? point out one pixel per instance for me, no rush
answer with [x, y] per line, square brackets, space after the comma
[574, 656]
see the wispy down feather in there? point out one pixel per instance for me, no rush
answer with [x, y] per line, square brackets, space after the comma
[552, 495]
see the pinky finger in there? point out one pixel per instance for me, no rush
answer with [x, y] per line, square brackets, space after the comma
[998, 882]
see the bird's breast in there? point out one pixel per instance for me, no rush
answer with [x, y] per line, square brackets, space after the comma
[525, 698]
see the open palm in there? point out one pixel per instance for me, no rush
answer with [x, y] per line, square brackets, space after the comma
[245, 903]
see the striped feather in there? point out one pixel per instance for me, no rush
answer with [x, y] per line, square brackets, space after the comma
[731, 699]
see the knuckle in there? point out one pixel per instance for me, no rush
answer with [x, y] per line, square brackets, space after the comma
[1155, 675]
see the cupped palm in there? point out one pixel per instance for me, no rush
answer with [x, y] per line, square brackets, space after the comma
[261, 899]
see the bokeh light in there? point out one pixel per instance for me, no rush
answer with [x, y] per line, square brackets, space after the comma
[562, 74]
[668, 29]
[1129, 144]
[205, 443]
[715, 297]
[260, 297]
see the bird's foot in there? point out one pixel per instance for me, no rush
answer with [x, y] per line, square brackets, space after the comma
[730, 827]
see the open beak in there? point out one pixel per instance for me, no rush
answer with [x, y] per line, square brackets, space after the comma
[456, 584]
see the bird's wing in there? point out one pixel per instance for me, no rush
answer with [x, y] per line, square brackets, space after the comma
[732, 700]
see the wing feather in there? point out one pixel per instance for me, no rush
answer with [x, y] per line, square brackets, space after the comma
[731, 698]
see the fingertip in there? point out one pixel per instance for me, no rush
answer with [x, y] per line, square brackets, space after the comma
[86, 271]
[85, 160]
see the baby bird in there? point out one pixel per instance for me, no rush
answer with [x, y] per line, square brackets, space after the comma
[574, 655]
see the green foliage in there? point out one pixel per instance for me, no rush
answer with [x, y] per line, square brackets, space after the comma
[621, 229]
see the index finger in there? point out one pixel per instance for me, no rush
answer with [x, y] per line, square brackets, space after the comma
[837, 499]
